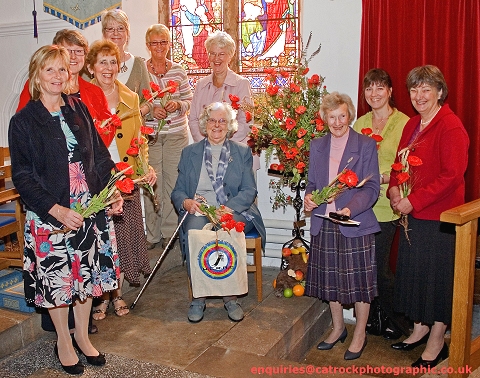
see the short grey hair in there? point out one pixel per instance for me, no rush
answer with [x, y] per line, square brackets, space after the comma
[222, 40]
[231, 116]
[333, 101]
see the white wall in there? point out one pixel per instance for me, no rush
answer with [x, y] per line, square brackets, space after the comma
[334, 23]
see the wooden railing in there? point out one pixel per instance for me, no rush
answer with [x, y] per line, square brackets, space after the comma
[463, 350]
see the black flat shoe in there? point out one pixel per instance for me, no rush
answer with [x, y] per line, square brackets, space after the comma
[76, 369]
[392, 334]
[92, 360]
[353, 356]
[410, 346]
[442, 355]
[327, 346]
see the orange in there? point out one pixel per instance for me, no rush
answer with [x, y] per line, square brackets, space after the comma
[274, 283]
[298, 290]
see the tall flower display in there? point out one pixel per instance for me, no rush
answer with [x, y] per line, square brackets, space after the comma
[285, 120]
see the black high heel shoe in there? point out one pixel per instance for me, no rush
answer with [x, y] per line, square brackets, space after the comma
[354, 355]
[442, 355]
[92, 360]
[76, 369]
[410, 346]
[327, 346]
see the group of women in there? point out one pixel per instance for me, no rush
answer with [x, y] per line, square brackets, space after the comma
[62, 154]
[345, 260]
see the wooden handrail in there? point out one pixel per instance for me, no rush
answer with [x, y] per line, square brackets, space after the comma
[463, 351]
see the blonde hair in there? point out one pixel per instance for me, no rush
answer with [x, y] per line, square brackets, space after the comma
[43, 56]
[159, 29]
[222, 40]
[117, 15]
[104, 46]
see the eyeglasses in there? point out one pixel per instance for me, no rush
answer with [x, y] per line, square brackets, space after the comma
[76, 52]
[213, 122]
[214, 55]
[158, 43]
[120, 29]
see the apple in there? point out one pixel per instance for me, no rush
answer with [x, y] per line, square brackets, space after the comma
[286, 252]
[299, 275]
[274, 167]
[281, 167]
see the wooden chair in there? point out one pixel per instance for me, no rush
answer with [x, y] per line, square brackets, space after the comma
[11, 214]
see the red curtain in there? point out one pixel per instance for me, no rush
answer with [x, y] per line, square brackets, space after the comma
[398, 35]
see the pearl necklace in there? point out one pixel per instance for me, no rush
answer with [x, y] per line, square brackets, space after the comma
[424, 123]
[106, 95]
[155, 71]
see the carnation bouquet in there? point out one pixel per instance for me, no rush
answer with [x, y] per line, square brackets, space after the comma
[405, 179]
[221, 219]
[346, 179]
[285, 120]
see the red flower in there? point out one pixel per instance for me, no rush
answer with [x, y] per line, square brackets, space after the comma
[272, 90]
[291, 153]
[314, 80]
[414, 161]
[235, 105]
[226, 217]
[233, 98]
[301, 132]
[300, 166]
[122, 166]
[279, 114]
[402, 177]
[240, 226]
[132, 151]
[136, 142]
[367, 131]
[397, 167]
[173, 86]
[146, 94]
[155, 87]
[146, 130]
[254, 130]
[305, 71]
[377, 138]
[248, 116]
[349, 178]
[300, 143]
[295, 88]
[284, 73]
[126, 185]
[300, 109]
[116, 121]
[290, 123]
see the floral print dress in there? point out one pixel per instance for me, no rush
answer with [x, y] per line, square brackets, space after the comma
[60, 268]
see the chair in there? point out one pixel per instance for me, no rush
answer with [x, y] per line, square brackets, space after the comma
[253, 242]
[11, 215]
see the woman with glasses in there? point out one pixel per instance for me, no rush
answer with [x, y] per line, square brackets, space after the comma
[219, 170]
[133, 73]
[165, 145]
[219, 85]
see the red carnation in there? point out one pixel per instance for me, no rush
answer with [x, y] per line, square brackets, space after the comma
[349, 178]
[397, 167]
[122, 166]
[240, 226]
[402, 177]
[155, 87]
[126, 185]
[414, 161]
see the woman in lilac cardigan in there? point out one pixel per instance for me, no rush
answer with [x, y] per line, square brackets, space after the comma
[341, 267]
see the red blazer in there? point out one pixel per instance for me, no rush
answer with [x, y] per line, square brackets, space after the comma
[90, 94]
[438, 184]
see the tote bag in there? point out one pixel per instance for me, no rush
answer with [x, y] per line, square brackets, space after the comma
[218, 263]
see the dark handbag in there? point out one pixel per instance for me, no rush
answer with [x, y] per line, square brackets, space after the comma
[377, 320]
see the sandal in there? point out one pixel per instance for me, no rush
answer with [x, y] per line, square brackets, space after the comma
[100, 313]
[120, 310]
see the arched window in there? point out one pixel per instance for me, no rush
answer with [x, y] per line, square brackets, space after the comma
[267, 33]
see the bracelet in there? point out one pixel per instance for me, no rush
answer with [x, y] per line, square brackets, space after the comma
[381, 178]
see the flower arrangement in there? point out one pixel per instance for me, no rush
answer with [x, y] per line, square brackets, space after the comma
[376, 137]
[285, 120]
[221, 218]
[405, 179]
[346, 179]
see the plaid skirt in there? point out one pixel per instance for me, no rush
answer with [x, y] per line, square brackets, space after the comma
[340, 268]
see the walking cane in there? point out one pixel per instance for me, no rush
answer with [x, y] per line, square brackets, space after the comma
[167, 247]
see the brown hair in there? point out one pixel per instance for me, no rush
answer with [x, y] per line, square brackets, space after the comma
[378, 76]
[430, 75]
[104, 46]
[71, 37]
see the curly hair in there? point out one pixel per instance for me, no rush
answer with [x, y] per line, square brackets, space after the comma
[332, 101]
[231, 117]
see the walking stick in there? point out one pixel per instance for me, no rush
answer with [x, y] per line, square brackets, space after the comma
[167, 247]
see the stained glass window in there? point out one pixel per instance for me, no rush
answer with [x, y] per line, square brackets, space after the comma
[268, 35]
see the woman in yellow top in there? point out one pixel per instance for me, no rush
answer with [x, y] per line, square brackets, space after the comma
[385, 124]
[103, 61]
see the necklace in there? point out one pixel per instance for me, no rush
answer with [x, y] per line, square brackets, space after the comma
[424, 123]
[155, 71]
[124, 67]
[106, 95]
[378, 122]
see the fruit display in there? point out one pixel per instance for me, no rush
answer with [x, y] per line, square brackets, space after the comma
[291, 281]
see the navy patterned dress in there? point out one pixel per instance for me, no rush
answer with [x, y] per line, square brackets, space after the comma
[60, 268]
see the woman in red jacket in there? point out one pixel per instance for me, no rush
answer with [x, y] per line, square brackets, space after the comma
[424, 275]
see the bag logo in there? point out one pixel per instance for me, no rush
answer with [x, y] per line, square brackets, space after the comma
[218, 259]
